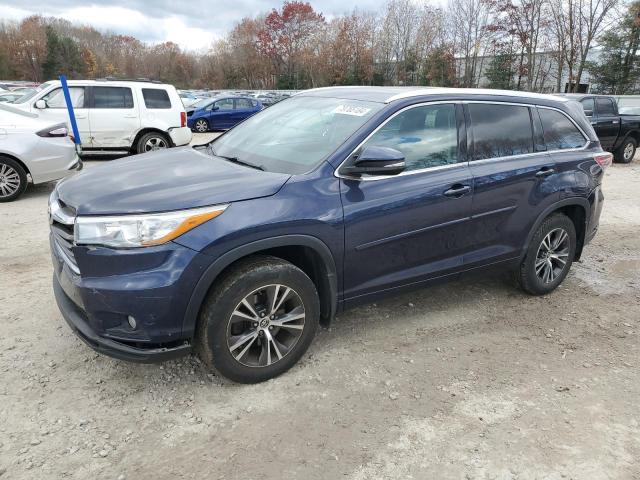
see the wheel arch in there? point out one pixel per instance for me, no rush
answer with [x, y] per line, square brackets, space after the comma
[308, 253]
[20, 162]
[577, 209]
[144, 131]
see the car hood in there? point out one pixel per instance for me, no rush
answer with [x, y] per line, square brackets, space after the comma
[171, 179]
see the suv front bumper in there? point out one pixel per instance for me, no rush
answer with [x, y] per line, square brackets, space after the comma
[77, 320]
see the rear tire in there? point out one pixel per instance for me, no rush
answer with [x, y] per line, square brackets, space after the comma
[626, 151]
[13, 179]
[152, 141]
[201, 125]
[250, 344]
[549, 256]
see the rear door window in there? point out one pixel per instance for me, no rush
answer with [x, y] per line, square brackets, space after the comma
[242, 103]
[500, 130]
[605, 107]
[156, 98]
[112, 97]
[560, 133]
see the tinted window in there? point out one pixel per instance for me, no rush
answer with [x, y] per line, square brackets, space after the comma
[55, 98]
[605, 106]
[500, 130]
[559, 131]
[588, 106]
[156, 98]
[243, 103]
[226, 104]
[427, 136]
[112, 97]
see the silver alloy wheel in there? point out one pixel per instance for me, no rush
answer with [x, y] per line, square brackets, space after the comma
[155, 143]
[628, 151]
[201, 126]
[552, 255]
[265, 326]
[9, 180]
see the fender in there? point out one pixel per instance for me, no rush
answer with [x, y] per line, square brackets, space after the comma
[222, 262]
[582, 202]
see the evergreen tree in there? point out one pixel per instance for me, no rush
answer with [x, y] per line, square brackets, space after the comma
[63, 57]
[500, 71]
[617, 69]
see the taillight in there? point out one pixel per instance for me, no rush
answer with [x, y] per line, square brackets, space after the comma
[604, 159]
[183, 119]
[60, 130]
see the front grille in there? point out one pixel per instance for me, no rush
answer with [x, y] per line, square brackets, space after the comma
[189, 113]
[62, 219]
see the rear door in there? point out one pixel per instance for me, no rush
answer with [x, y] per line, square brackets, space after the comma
[607, 122]
[243, 108]
[414, 226]
[513, 178]
[114, 116]
[56, 110]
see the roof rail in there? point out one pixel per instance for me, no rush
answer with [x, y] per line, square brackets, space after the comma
[114, 79]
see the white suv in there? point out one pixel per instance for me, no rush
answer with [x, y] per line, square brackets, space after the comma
[115, 115]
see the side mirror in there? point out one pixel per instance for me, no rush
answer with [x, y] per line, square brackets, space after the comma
[214, 108]
[376, 161]
[588, 113]
[41, 104]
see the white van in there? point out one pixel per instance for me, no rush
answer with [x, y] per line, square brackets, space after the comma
[115, 116]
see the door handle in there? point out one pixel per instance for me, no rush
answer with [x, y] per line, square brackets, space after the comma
[457, 190]
[545, 172]
[614, 121]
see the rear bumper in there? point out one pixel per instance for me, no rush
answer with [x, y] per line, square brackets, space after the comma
[77, 320]
[180, 136]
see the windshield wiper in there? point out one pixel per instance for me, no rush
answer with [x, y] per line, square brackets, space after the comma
[237, 160]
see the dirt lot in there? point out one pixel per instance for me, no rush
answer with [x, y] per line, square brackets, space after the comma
[467, 380]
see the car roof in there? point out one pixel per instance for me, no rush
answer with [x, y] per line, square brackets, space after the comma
[111, 83]
[391, 94]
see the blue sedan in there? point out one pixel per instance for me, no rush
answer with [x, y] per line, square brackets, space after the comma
[221, 113]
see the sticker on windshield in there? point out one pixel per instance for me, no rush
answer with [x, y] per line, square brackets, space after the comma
[351, 110]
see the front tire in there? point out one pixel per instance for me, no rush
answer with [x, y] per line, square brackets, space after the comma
[13, 179]
[151, 142]
[626, 151]
[258, 320]
[549, 256]
[201, 126]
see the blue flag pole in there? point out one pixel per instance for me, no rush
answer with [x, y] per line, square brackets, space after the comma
[72, 115]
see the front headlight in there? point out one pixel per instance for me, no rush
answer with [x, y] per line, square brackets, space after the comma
[128, 231]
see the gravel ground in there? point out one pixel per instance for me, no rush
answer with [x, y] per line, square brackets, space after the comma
[467, 380]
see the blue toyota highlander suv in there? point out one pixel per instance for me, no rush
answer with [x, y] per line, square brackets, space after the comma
[240, 248]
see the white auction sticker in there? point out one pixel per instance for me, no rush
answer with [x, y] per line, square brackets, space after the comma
[351, 110]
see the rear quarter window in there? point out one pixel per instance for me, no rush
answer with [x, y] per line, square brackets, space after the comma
[560, 133]
[156, 98]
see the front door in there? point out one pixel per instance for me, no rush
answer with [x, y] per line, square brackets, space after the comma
[114, 117]
[607, 122]
[409, 227]
[56, 110]
[221, 114]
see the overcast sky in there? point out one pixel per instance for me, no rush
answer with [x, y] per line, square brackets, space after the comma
[193, 25]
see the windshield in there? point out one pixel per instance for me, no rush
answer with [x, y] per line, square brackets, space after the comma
[202, 103]
[32, 94]
[295, 135]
